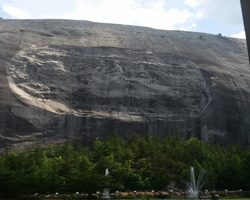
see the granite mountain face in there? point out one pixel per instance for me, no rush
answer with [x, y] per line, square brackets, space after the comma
[64, 79]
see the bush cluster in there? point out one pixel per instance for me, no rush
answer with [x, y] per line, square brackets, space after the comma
[140, 163]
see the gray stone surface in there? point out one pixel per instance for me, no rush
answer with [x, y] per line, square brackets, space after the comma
[64, 79]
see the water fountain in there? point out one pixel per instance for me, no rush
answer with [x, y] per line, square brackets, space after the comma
[194, 186]
[105, 194]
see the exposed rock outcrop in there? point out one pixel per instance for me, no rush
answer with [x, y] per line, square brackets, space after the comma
[63, 79]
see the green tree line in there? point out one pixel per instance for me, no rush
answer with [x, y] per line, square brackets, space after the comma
[139, 163]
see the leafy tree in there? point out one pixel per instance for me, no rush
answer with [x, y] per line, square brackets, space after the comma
[139, 163]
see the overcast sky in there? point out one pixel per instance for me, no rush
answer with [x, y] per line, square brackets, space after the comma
[211, 16]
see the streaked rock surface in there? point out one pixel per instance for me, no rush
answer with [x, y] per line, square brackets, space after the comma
[63, 79]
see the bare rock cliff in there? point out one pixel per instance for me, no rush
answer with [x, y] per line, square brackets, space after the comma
[63, 79]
